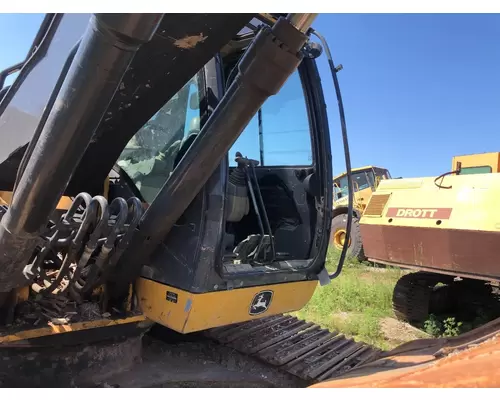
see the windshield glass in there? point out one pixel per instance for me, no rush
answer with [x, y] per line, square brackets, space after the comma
[475, 170]
[382, 173]
[151, 154]
[361, 180]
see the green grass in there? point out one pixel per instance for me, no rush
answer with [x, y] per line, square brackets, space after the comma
[356, 302]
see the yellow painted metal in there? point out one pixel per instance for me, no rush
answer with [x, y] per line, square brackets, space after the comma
[6, 198]
[396, 184]
[360, 200]
[64, 203]
[478, 160]
[360, 197]
[339, 238]
[187, 312]
[472, 198]
[59, 329]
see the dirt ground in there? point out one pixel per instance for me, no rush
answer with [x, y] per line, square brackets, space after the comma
[397, 332]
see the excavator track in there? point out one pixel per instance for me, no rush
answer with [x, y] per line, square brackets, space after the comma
[412, 296]
[277, 351]
[300, 348]
[416, 296]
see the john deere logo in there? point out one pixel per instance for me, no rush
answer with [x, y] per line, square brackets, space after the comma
[261, 302]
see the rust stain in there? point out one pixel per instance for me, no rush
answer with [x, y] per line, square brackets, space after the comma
[189, 42]
[475, 366]
[455, 250]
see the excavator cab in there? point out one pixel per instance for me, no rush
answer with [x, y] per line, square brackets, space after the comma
[471, 164]
[193, 154]
[365, 180]
[253, 229]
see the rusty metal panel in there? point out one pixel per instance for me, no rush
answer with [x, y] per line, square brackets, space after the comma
[457, 251]
[429, 363]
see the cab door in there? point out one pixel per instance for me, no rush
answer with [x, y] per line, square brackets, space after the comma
[289, 137]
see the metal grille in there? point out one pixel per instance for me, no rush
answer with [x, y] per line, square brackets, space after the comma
[376, 205]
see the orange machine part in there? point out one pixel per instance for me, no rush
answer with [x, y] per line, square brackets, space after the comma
[471, 360]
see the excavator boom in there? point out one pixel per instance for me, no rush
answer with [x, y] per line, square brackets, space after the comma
[127, 234]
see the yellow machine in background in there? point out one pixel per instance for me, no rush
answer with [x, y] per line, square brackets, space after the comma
[444, 228]
[482, 163]
[365, 181]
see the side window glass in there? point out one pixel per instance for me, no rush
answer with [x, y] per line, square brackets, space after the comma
[279, 134]
[475, 170]
[340, 187]
[360, 181]
[151, 155]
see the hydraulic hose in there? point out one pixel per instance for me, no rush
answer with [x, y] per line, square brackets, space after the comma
[347, 156]
[107, 48]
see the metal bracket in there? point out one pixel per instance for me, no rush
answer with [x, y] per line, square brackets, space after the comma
[323, 277]
[312, 50]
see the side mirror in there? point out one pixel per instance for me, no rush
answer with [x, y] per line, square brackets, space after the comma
[194, 101]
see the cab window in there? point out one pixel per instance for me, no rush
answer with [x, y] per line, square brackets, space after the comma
[151, 155]
[382, 173]
[476, 170]
[361, 180]
[279, 134]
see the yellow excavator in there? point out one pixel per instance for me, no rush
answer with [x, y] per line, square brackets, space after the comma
[365, 181]
[444, 230]
[143, 241]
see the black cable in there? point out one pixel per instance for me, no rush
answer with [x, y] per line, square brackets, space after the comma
[442, 176]
[347, 156]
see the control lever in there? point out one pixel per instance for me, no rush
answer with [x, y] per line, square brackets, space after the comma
[248, 165]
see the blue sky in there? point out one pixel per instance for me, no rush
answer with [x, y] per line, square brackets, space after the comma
[417, 88]
[17, 32]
